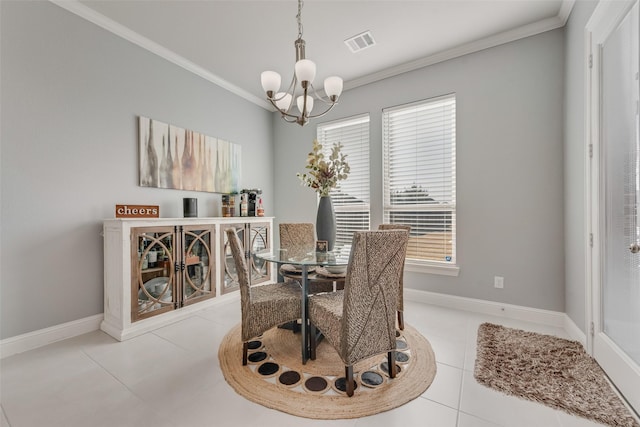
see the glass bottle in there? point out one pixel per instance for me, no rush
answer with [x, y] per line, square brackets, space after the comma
[153, 258]
[244, 206]
[260, 209]
[225, 205]
[232, 205]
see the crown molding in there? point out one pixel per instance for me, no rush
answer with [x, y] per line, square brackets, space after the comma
[565, 10]
[528, 30]
[532, 29]
[100, 20]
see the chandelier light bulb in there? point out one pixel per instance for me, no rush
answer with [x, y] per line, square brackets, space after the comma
[283, 100]
[305, 70]
[270, 82]
[300, 102]
[333, 87]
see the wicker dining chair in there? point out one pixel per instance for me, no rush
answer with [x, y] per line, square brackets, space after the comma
[301, 237]
[302, 234]
[359, 322]
[263, 306]
[407, 228]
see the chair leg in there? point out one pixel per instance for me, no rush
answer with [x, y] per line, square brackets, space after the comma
[348, 376]
[400, 321]
[245, 350]
[391, 363]
[313, 341]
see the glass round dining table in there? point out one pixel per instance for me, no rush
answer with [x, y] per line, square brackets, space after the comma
[303, 258]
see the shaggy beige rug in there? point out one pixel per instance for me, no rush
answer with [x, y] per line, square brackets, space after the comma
[549, 370]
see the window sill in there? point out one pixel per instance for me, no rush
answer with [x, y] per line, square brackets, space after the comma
[444, 270]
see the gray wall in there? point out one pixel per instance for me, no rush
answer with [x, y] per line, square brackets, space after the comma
[71, 93]
[509, 166]
[574, 164]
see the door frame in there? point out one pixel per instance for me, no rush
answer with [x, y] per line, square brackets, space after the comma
[605, 18]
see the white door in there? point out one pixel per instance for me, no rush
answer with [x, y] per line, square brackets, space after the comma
[615, 191]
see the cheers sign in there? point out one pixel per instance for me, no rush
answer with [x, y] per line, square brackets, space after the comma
[137, 211]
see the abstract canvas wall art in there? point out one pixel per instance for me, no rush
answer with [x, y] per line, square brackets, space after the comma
[182, 159]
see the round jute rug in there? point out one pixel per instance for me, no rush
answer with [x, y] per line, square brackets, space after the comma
[276, 378]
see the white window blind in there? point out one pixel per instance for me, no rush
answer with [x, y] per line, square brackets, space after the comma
[419, 167]
[351, 197]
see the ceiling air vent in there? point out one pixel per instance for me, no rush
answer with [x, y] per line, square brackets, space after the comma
[360, 41]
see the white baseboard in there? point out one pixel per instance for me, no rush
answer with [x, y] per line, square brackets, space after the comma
[124, 332]
[510, 311]
[42, 337]
[575, 333]
[535, 315]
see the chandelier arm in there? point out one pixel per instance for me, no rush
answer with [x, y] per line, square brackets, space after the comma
[297, 118]
[327, 101]
[284, 113]
[292, 89]
[313, 116]
[289, 120]
[289, 115]
[292, 85]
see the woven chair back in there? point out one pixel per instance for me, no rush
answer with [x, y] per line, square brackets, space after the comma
[297, 236]
[237, 251]
[371, 293]
[407, 228]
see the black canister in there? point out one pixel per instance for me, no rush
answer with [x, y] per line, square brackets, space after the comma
[190, 207]
[252, 203]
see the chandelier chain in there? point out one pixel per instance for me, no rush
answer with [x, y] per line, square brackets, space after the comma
[299, 18]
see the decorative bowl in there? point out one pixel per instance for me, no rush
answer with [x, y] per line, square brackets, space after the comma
[336, 269]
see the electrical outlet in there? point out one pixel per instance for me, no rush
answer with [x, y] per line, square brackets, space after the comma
[498, 282]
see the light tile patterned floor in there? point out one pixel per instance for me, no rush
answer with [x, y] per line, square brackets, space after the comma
[171, 377]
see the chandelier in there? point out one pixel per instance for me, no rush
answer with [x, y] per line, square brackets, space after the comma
[305, 71]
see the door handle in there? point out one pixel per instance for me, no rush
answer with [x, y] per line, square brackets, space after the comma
[634, 248]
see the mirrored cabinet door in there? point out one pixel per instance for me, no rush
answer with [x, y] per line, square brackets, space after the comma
[199, 264]
[254, 237]
[259, 240]
[153, 276]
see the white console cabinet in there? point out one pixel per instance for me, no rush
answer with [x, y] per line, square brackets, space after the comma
[160, 270]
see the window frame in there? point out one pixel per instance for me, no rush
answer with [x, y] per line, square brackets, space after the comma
[448, 179]
[363, 120]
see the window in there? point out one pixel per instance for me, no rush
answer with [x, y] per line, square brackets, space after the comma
[419, 161]
[351, 197]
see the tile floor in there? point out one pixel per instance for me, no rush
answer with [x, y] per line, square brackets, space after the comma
[171, 377]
